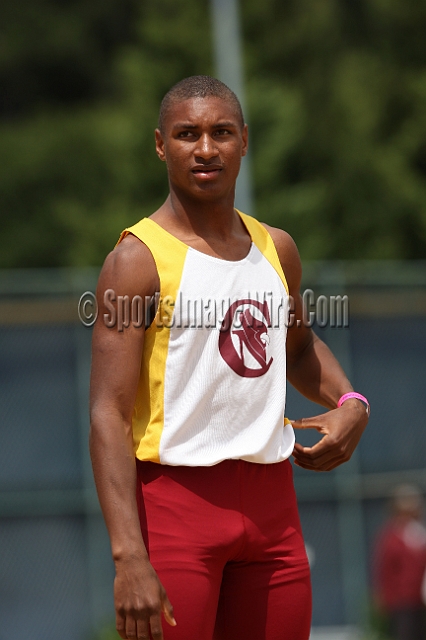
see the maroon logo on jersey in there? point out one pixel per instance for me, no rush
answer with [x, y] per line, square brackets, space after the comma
[250, 339]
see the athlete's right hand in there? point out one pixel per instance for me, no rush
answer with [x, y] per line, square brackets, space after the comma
[140, 598]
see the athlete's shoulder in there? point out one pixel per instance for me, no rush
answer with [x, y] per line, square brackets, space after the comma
[282, 240]
[288, 255]
[130, 268]
[129, 251]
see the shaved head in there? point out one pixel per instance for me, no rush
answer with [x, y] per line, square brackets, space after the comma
[198, 87]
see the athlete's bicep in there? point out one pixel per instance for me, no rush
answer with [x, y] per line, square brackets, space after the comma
[299, 336]
[127, 280]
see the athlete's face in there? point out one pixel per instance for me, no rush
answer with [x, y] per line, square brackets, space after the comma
[202, 143]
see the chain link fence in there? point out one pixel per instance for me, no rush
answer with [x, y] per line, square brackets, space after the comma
[55, 568]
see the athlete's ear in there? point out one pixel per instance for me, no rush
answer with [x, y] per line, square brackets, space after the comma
[245, 140]
[159, 145]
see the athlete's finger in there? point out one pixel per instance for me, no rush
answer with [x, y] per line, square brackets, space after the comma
[156, 628]
[328, 465]
[314, 422]
[325, 462]
[167, 609]
[299, 448]
[319, 449]
[308, 467]
[131, 631]
[318, 459]
[142, 630]
[120, 625]
[320, 453]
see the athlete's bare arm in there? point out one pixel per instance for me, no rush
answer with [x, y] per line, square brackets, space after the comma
[314, 371]
[116, 356]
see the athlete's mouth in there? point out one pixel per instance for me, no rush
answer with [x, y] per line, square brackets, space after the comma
[207, 169]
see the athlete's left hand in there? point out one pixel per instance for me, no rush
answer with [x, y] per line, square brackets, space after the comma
[341, 430]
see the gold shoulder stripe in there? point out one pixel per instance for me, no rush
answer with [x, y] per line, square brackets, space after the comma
[264, 243]
[169, 255]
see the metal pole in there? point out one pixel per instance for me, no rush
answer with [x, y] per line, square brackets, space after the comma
[350, 514]
[228, 65]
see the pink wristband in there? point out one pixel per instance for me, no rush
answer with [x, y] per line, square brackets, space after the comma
[358, 396]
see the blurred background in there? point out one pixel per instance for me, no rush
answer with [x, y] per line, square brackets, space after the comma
[334, 92]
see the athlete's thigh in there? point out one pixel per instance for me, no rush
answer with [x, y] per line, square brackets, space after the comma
[256, 606]
[194, 596]
[266, 591]
[183, 533]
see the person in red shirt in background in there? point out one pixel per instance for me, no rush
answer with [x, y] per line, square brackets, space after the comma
[400, 565]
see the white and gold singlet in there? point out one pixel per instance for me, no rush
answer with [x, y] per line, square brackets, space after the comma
[213, 374]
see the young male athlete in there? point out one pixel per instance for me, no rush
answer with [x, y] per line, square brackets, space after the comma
[189, 442]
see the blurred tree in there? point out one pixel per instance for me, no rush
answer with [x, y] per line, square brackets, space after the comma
[336, 103]
[83, 86]
[337, 97]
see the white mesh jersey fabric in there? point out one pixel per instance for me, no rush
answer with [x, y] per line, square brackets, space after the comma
[225, 377]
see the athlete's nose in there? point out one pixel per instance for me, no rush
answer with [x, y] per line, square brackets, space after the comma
[206, 147]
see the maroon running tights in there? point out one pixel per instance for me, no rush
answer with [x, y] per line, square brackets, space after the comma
[227, 546]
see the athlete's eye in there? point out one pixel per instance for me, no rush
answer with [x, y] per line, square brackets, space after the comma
[222, 132]
[185, 134]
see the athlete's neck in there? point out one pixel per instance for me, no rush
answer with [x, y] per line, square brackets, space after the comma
[217, 219]
[214, 229]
